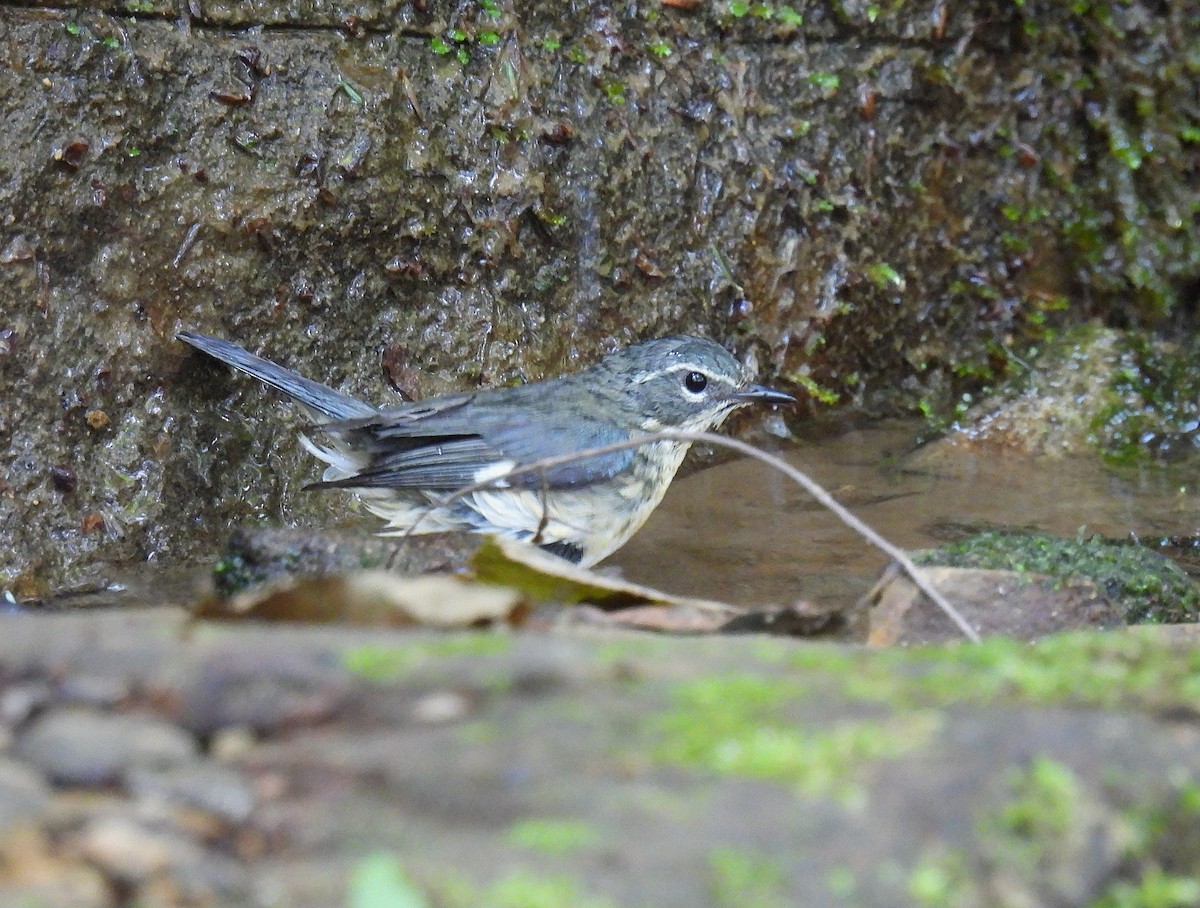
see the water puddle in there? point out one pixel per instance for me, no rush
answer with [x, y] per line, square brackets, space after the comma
[744, 534]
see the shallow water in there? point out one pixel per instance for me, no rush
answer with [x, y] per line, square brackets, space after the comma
[742, 533]
[745, 534]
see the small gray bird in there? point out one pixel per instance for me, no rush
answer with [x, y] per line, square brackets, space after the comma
[402, 461]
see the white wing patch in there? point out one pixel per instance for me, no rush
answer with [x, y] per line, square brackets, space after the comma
[495, 471]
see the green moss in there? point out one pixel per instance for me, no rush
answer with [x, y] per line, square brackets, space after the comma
[552, 836]
[941, 880]
[1045, 820]
[379, 881]
[519, 889]
[884, 276]
[232, 573]
[351, 92]
[614, 90]
[789, 16]
[1041, 816]
[817, 391]
[388, 663]
[1156, 889]
[827, 81]
[1093, 669]
[378, 663]
[740, 878]
[523, 889]
[842, 882]
[1154, 405]
[1150, 587]
[740, 725]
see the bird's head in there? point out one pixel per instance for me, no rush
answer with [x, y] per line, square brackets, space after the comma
[685, 383]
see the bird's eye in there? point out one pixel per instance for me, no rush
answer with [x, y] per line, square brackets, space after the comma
[695, 382]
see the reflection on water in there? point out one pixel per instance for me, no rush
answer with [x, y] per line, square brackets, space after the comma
[745, 534]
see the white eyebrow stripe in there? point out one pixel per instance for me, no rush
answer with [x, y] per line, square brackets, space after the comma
[642, 377]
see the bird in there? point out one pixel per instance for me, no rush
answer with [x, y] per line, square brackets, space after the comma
[409, 464]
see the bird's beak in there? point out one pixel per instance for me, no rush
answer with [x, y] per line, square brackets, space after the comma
[761, 394]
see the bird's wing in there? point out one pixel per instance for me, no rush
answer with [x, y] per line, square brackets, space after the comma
[451, 448]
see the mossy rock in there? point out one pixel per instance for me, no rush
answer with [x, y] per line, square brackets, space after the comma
[1151, 588]
[1127, 395]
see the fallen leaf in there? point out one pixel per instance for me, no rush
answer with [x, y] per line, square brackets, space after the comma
[670, 619]
[374, 598]
[542, 577]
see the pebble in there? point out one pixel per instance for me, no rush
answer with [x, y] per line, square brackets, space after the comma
[262, 693]
[79, 746]
[216, 789]
[19, 701]
[23, 794]
[232, 743]
[93, 690]
[441, 706]
[128, 851]
[163, 865]
[35, 875]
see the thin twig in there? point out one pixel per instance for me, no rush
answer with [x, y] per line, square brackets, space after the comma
[802, 479]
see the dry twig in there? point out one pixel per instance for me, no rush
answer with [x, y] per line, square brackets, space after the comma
[799, 477]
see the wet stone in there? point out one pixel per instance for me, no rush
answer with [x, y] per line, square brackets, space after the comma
[215, 789]
[36, 874]
[442, 706]
[20, 701]
[261, 692]
[23, 794]
[256, 555]
[166, 866]
[1033, 606]
[93, 690]
[232, 743]
[77, 746]
[127, 850]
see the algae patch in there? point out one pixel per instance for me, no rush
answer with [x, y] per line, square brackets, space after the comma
[743, 725]
[1036, 846]
[1107, 670]
[389, 663]
[1150, 587]
[740, 878]
[381, 881]
[553, 836]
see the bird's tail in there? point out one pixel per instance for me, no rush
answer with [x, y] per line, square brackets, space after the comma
[322, 401]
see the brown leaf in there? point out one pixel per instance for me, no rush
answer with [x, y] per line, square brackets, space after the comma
[542, 577]
[669, 619]
[373, 598]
